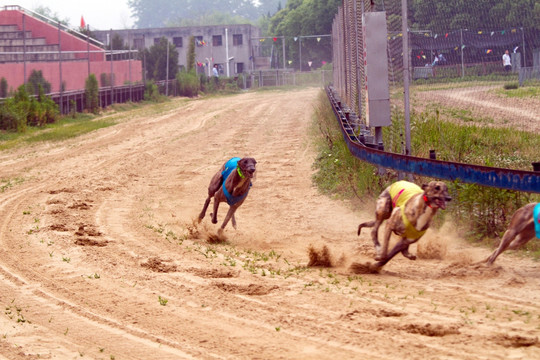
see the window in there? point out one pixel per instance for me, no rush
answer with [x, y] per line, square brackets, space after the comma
[199, 41]
[177, 41]
[156, 41]
[237, 39]
[239, 68]
[216, 40]
[138, 43]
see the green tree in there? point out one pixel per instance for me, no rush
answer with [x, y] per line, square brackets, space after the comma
[3, 87]
[156, 13]
[443, 16]
[117, 43]
[92, 94]
[156, 60]
[35, 80]
[190, 61]
[303, 18]
[47, 12]
[208, 18]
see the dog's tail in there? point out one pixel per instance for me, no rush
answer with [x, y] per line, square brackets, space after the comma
[366, 224]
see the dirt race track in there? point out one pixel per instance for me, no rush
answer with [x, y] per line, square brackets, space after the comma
[100, 257]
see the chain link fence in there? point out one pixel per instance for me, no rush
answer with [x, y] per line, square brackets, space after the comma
[458, 70]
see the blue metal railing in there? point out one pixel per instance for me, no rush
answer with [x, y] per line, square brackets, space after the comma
[519, 180]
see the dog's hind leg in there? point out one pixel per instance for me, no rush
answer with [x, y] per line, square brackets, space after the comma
[216, 206]
[507, 239]
[205, 207]
[511, 241]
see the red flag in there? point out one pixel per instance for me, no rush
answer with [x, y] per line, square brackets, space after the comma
[83, 25]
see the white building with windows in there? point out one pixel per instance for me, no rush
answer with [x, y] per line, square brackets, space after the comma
[231, 47]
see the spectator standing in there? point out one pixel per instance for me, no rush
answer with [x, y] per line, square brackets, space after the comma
[507, 64]
[215, 73]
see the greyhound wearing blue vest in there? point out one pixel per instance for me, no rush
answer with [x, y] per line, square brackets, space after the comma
[524, 224]
[231, 184]
[409, 210]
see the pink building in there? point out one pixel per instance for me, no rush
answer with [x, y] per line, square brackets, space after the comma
[30, 42]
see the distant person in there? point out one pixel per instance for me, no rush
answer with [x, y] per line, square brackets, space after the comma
[439, 59]
[506, 61]
[215, 73]
[435, 59]
[442, 59]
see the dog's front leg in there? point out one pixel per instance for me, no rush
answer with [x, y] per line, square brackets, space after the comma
[230, 214]
[405, 252]
[233, 221]
[400, 246]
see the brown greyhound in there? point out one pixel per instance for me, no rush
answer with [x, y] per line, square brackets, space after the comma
[409, 210]
[231, 184]
[519, 232]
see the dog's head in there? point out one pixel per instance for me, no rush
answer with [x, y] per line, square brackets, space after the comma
[247, 166]
[436, 194]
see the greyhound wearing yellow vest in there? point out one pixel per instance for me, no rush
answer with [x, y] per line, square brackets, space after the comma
[524, 224]
[409, 210]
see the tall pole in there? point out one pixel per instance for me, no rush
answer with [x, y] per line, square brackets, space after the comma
[60, 68]
[283, 43]
[129, 62]
[111, 78]
[462, 57]
[405, 32]
[144, 59]
[167, 72]
[300, 47]
[24, 46]
[227, 49]
[88, 46]
[523, 37]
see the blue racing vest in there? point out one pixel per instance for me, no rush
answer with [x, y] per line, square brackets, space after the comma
[230, 166]
[536, 218]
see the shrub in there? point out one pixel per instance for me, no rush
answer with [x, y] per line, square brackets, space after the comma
[151, 91]
[92, 94]
[35, 81]
[188, 83]
[511, 86]
[3, 88]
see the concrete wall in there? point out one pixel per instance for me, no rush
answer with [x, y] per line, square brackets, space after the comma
[206, 54]
[74, 74]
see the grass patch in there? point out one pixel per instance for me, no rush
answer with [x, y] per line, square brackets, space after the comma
[519, 92]
[65, 128]
[338, 173]
[59, 132]
[68, 127]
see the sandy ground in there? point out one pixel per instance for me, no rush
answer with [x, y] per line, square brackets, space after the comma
[100, 257]
[484, 102]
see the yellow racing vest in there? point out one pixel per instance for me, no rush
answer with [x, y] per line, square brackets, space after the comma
[401, 192]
